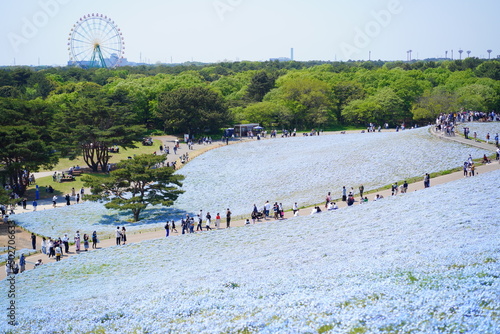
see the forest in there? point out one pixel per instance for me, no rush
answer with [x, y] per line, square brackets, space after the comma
[51, 112]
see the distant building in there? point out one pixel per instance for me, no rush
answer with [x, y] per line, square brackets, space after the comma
[280, 59]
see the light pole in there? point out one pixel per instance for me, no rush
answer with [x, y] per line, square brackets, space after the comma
[489, 53]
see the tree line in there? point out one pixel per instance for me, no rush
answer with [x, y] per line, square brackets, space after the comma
[48, 113]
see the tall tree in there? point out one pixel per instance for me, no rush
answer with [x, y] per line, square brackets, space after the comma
[26, 140]
[95, 120]
[135, 184]
[261, 84]
[192, 110]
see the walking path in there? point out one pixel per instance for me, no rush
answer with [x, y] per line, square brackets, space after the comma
[160, 233]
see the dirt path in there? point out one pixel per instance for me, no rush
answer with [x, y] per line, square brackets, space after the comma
[23, 237]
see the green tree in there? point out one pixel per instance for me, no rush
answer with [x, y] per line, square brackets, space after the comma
[308, 99]
[93, 120]
[26, 140]
[267, 114]
[477, 97]
[135, 184]
[192, 110]
[260, 85]
[434, 102]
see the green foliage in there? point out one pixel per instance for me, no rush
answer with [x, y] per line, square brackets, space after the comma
[26, 140]
[135, 184]
[433, 102]
[192, 110]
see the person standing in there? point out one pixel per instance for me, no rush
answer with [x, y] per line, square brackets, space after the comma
[58, 252]
[94, 240]
[77, 198]
[54, 201]
[22, 263]
[77, 241]
[167, 229]
[65, 241]
[35, 204]
[267, 208]
[328, 199]
[118, 235]
[44, 245]
[361, 190]
[33, 240]
[217, 221]
[228, 218]
[124, 235]
[68, 199]
[86, 241]
[427, 180]
[344, 194]
[25, 200]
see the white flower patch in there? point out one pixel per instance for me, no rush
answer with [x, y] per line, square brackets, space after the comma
[423, 262]
[481, 128]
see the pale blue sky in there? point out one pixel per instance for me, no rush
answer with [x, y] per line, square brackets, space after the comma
[217, 30]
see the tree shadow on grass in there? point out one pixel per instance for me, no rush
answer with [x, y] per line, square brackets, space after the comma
[150, 216]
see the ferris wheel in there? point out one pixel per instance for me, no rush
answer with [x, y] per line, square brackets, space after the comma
[95, 41]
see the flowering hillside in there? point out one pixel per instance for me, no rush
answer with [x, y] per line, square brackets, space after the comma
[423, 262]
[286, 170]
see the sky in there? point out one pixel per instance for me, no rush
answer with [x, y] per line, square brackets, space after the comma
[34, 32]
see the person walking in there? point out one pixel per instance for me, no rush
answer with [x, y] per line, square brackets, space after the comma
[35, 204]
[33, 240]
[54, 201]
[207, 223]
[344, 194]
[199, 226]
[173, 226]
[361, 190]
[228, 218]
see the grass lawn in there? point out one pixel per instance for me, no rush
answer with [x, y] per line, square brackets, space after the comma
[65, 163]
[61, 189]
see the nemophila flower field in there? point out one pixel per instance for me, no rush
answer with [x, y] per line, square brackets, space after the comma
[482, 128]
[286, 170]
[422, 262]
[304, 169]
